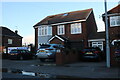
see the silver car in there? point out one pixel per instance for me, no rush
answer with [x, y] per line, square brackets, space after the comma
[48, 51]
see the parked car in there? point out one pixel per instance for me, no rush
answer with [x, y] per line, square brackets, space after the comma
[48, 51]
[92, 53]
[20, 54]
[117, 54]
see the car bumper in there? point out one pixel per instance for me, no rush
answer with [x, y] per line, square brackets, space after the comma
[90, 57]
[45, 55]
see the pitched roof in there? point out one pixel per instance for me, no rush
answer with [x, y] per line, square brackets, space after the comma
[116, 9]
[98, 35]
[8, 32]
[65, 17]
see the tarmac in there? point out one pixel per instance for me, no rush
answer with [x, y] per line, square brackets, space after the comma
[94, 70]
[78, 70]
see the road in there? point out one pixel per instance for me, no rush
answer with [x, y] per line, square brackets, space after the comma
[35, 69]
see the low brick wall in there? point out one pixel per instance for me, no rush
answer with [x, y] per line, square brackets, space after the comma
[66, 57]
[112, 58]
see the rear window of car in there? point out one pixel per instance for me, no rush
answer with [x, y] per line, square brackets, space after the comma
[18, 51]
[89, 50]
[92, 49]
[14, 51]
[44, 46]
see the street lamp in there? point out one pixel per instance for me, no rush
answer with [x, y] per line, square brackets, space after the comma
[107, 37]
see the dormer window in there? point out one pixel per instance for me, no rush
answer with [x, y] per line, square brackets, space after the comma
[65, 14]
[114, 21]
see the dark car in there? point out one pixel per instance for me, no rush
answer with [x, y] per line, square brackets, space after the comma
[117, 54]
[92, 53]
[20, 54]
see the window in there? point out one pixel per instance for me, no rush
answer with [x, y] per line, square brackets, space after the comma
[60, 29]
[65, 14]
[98, 44]
[76, 28]
[9, 41]
[44, 30]
[115, 21]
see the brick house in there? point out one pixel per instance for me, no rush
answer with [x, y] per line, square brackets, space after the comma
[9, 38]
[114, 31]
[71, 29]
[114, 25]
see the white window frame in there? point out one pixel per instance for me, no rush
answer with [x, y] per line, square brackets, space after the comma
[44, 30]
[49, 30]
[10, 41]
[61, 29]
[97, 44]
[115, 20]
[76, 28]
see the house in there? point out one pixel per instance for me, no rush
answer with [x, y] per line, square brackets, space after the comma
[114, 25]
[71, 29]
[114, 31]
[9, 38]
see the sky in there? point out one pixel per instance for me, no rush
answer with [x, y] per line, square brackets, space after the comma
[22, 16]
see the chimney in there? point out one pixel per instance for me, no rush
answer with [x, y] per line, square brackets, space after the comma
[16, 31]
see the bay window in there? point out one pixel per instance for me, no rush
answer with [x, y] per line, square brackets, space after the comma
[45, 30]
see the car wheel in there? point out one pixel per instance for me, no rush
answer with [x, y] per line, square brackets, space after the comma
[42, 60]
[54, 60]
[34, 57]
[21, 58]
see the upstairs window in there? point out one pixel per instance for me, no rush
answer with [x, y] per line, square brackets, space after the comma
[60, 29]
[114, 21]
[44, 30]
[76, 28]
[10, 41]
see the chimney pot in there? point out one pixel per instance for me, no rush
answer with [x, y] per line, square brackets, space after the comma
[16, 31]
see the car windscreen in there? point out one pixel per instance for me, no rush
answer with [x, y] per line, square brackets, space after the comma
[44, 46]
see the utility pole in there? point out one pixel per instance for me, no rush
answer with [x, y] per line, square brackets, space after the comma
[107, 38]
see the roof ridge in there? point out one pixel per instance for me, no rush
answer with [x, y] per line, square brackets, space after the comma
[71, 12]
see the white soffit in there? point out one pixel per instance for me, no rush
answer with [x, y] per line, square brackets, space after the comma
[96, 40]
[55, 37]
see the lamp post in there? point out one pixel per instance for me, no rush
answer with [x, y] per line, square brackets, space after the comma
[107, 37]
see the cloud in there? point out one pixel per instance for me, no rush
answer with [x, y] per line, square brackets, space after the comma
[100, 25]
[28, 39]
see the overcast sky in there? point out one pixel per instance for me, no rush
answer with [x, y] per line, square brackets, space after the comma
[24, 15]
